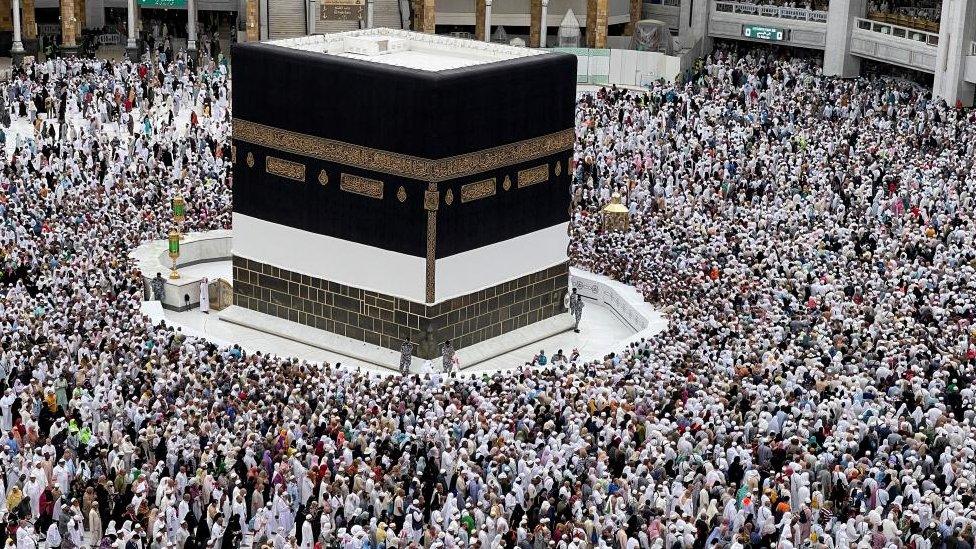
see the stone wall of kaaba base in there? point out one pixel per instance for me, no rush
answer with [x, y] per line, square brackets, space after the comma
[386, 321]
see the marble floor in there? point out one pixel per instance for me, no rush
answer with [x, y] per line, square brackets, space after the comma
[212, 270]
[195, 323]
[601, 332]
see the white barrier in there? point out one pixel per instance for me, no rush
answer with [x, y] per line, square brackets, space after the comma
[599, 291]
[623, 67]
[624, 301]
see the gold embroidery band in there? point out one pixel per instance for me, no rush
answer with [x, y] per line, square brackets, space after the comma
[431, 241]
[477, 190]
[531, 176]
[402, 165]
[285, 168]
[361, 185]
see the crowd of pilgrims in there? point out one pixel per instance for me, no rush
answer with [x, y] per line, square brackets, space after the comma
[811, 240]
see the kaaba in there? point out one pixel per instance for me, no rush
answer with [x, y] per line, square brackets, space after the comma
[391, 185]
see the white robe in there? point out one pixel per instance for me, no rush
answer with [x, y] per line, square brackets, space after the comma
[95, 524]
[308, 540]
[7, 418]
[204, 297]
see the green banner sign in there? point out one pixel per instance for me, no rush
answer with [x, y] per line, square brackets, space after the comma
[162, 3]
[765, 33]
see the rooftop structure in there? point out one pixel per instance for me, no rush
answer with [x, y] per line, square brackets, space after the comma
[407, 49]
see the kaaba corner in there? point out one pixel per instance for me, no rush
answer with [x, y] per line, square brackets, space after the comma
[393, 186]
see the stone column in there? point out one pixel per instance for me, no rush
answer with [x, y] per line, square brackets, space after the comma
[6, 16]
[369, 14]
[28, 22]
[479, 20]
[311, 16]
[252, 20]
[838, 60]
[81, 16]
[956, 34]
[535, 22]
[131, 44]
[692, 23]
[17, 48]
[590, 23]
[635, 16]
[596, 23]
[191, 26]
[430, 16]
[69, 27]
[545, 26]
[487, 20]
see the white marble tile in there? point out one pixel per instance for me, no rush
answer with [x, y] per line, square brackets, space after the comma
[212, 270]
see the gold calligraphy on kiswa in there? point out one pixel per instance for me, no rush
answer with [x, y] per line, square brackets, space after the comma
[478, 190]
[532, 176]
[372, 188]
[403, 165]
[285, 168]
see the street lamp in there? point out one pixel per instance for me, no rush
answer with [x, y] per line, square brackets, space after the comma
[174, 251]
[179, 212]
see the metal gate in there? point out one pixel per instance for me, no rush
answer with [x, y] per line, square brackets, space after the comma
[286, 18]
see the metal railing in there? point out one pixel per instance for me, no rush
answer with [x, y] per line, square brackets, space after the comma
[795, 14]
[897, 31]
[928, 25]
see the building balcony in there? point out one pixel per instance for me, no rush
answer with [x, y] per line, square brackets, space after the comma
[903, 46]
[799, 27]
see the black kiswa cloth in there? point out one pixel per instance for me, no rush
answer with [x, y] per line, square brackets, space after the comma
[402, 121]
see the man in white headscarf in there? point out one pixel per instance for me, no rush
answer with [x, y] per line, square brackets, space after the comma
[205, 296]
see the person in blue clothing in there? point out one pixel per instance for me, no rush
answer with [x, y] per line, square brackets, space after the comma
[541, 359]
